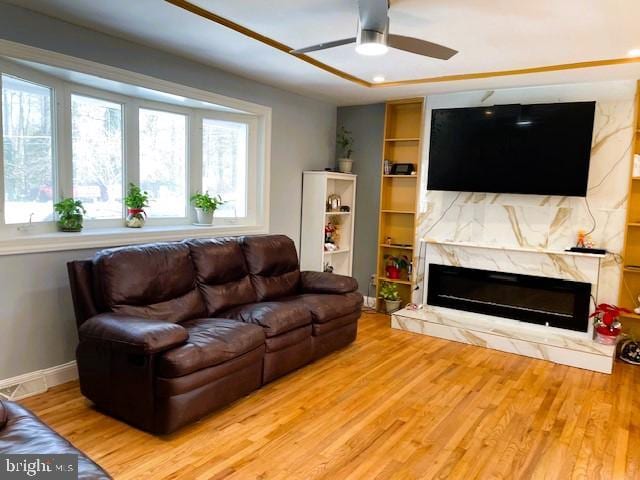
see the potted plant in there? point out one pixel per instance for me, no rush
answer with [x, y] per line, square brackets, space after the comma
[394, 264]
[136, 201]
[345, 144]
[205, 206]
[607, 323]
[389, 293]
[70, 215]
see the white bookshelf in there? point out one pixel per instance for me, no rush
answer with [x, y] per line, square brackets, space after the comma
[316, 188]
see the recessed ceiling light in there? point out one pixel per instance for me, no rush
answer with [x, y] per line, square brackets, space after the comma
[378, 79]
[634, 53]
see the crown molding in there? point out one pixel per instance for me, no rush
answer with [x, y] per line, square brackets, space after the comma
[225, 22]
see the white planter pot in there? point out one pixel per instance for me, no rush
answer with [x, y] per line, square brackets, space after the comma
[392, 305]
[345, 165]
[204, 218]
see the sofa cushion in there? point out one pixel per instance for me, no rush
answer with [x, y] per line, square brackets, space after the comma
[274, 317]
[273, 264]
[211, 341]
[153, 281]
[24, 433]
[324, 307]
[222, 274]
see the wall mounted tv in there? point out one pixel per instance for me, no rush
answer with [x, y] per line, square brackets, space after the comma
[541, 149]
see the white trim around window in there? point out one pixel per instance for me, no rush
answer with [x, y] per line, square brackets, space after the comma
[22, 238]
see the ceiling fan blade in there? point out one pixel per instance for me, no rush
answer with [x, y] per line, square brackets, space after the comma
[421, 47]
[324, 46]
[373, 14]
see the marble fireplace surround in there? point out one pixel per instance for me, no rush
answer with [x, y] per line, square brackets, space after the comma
[530, 232]
[576, 349]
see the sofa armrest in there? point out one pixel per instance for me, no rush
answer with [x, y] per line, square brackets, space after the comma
[323, 282]
[133, 334]
[3, 415]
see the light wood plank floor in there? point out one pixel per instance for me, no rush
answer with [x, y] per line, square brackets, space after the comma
[393, 405]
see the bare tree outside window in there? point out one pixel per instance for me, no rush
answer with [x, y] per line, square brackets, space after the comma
[163, 162]
[28, 159]
[97, 156]
[224, 164]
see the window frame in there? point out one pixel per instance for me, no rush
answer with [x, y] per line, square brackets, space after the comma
[22, 238]
[35, 77]
[82, 91]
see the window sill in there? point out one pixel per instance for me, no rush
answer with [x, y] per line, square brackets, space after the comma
[26, 242]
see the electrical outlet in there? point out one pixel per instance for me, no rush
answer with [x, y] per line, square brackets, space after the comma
[372, 280]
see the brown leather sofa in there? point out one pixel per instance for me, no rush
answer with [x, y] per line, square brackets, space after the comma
[171, 331]
[21, 432]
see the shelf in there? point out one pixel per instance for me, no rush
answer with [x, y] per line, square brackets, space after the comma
[394, 280]
[406, 139]
[335, 252]
[337, 213]
[633, 224]
[632, 269]
[400, 176]
[635, 178]
[633, 316]
[386, 245]
[403, 212]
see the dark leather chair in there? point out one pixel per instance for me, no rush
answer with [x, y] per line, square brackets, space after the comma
[171, 331]
[21, 432]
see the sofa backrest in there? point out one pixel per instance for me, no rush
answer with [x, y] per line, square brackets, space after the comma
[222, 273]
[272, 261]
[150, 281]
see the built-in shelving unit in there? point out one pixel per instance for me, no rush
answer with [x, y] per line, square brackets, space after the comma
[630, 285]
[316, 188]
[403, 132]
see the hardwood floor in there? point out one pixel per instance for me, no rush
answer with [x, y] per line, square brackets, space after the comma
[394, 405]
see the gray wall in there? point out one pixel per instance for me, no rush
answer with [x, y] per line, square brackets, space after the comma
[36, 318]
[366, 122]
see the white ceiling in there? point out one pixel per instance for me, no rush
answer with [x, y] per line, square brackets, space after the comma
[490, 35]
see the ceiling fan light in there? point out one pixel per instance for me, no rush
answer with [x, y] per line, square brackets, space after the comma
[372, 49]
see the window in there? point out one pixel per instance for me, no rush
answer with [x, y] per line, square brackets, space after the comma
[163, 165]
[90, 137]
[224, 164]
[27, 136]
[97, 156]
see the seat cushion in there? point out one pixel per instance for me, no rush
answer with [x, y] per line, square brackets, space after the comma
[24, 433]
[211, 341]
[152, 281]
[272, 261]
[222, 274]
[274, 317]
[325, 307]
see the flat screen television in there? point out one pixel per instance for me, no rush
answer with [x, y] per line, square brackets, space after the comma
[541, 149]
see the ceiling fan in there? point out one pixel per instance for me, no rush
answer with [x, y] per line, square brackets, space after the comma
[374, 38]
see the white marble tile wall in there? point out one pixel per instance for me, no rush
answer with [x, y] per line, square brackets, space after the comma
[538, 221]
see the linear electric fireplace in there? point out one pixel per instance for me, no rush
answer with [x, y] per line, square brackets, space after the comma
[540, 300]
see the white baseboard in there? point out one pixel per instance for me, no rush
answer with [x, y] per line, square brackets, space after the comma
[369, 302]
[40, 381]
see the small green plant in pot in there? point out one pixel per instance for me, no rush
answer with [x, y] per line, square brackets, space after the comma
[389, 293]
[136, 201]
[70, 215]
[206, 206]
[344, 141]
